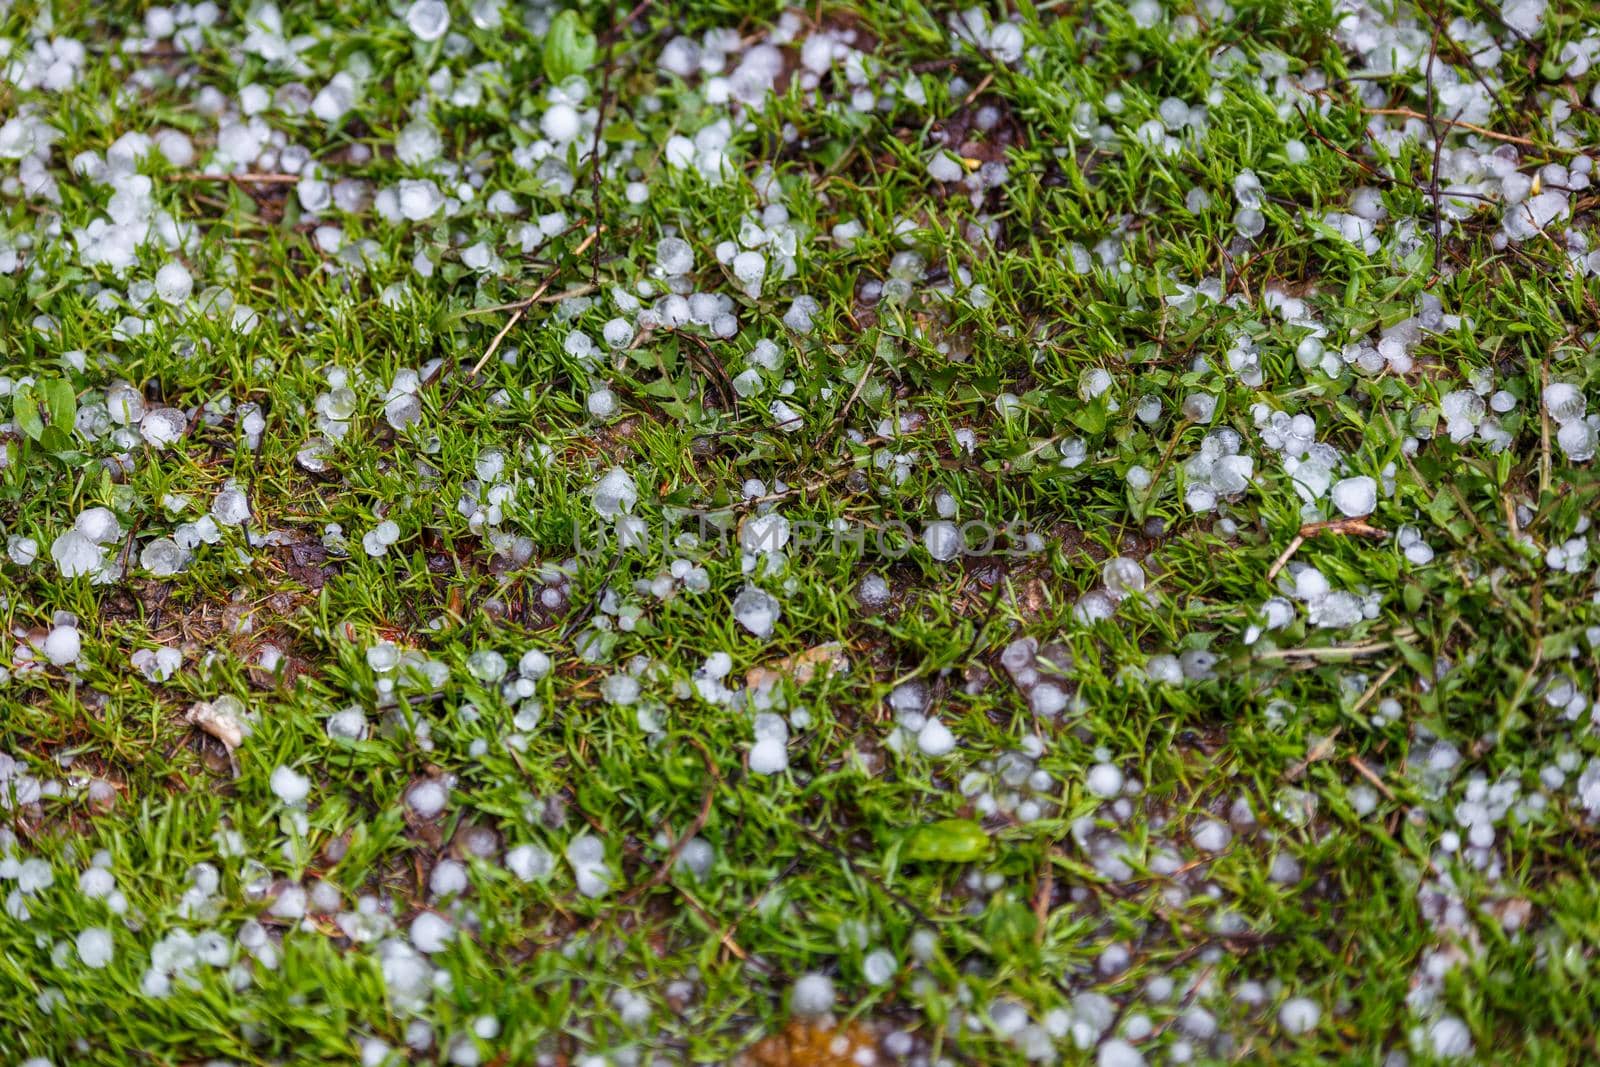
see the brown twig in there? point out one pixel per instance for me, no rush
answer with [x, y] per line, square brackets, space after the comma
[1438, 147]
[1354, 527]
[1334, 651]
[1284, 557]
[521, 307]
[235, 179]
[1319, 751]
[1406, 112]
[1370, 775]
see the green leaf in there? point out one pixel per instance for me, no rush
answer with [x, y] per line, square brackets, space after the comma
[569, 47]
[25, 410]
[1090, 417]
[55, 439]
[61, 403]
[947, 841]
[1009, 926]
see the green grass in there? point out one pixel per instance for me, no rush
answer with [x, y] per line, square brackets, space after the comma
[815, 867]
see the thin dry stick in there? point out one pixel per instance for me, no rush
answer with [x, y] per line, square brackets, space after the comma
[1438, 147]
[1319, 751]
[1288, 553]
[1367, 772]
[521, 307]
[235, 179]
[1406, 112]
[1351, 527]
[1544, 432]
[1335, 651]
[1372, 690]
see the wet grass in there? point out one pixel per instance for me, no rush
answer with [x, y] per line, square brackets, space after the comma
[1337, 886]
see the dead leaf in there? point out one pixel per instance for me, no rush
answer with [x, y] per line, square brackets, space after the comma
[224, 725]
[802, 666]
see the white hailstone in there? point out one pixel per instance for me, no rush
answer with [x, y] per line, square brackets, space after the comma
[348, 724]
[1526, 17]
[96, 883]
[1105, 780]
[95, 947]
[908, 698]
[618, 333]
[873, 592]
[1123, 576]
[173, 283]
[76, 555]
[1355, 497]
[944, 167]
[1005, 42]
[402, 410]
[603, 403]
[534, 664]
[879, 966]
[587, 856]
[427, 798]
[1047, 700]
[935, 739]
[1211, 836]
[561, 124]
[486, 665]
[812, 994]
[448, 878]
[480, 257]
[1449, 1037]
[1199, 407]
[231, 507]
[418, 143]
[375, 1053]
[22, 550]
[674, 256]
[942, 540]
[289, 785]
[749, 268]
[756, 611]
[1577, 440]
[785, 417]
[290, 903]
[428, 19]
[1094, 606]
[1095, 382]
[697, 857]
[162, 427]
[620, 689]
[420, 199]
[747, 383]
[801, 314]
[62, 645]
[615, 493]
[430, 932]
[764, 534]
[769, 755]
[1564, 402]
[336, 98]
[1118, 1053]
[1299, 1015]
[34, 875]
[530, 863]
[99, 525]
